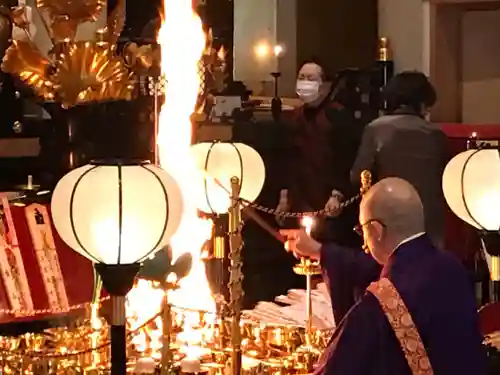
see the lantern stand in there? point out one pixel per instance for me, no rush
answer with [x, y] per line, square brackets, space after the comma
[236, 274]
[491, 244]
[276, 104]
[483, 160]
[118, 280]
[156, 219]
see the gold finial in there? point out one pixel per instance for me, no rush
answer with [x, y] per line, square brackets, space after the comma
[366, 181]
[383, 49]
[366, 184]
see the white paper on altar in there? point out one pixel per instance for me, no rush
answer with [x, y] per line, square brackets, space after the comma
[294, 311]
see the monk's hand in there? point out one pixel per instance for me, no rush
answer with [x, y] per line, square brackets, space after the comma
[283, 207]
[301, 244]
[333, 206]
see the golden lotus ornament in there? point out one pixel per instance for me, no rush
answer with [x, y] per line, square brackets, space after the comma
[90, 71]
[24, 60]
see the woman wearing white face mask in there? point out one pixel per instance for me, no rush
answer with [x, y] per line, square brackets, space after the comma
[308, 91]
[325, 139]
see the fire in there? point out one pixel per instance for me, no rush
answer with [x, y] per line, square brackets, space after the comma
[182, 41]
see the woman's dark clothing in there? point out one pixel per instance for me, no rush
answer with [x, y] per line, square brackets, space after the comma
[323, 145]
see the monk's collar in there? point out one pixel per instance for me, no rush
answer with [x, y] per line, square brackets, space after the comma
[390, 261]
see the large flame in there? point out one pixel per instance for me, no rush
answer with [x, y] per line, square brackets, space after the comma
[182, 43]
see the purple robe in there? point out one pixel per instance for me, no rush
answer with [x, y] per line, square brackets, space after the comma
[439, 296]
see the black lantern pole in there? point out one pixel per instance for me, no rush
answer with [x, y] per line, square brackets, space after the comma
[276, 104]
[118, 280]
[491, 243]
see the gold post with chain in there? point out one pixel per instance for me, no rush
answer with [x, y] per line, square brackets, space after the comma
[366, 184]
[236, 275]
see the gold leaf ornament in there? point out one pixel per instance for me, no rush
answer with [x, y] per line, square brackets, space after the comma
[24, 60]
[63, 28]
[77, 10]
[141, 59]
[87, 72]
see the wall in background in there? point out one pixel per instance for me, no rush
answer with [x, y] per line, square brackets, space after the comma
[476, 57]
[265, 24]
[405, 24]
[481, 67]
[339, 33]
[334, 32]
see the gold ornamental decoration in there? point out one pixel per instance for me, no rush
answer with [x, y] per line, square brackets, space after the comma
[24, 60]
[87, 72]
[73, 72]
[80, 72]
[77, 10]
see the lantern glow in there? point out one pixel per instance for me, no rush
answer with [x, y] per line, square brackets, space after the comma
[116, 214]
[471, 185]
[219, 162]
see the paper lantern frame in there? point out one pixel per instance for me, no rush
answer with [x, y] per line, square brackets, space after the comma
[74, 233]
[218, 162]
[459, 200]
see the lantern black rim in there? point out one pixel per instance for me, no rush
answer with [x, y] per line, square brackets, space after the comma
[125, 162]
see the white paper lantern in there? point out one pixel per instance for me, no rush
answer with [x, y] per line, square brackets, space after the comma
[117, 213]
[471, 186]
[219, 162]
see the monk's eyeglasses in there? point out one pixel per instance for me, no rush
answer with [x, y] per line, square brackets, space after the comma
[359, 228]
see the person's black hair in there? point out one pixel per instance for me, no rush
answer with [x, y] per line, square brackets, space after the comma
[314, 60]
[411, 90]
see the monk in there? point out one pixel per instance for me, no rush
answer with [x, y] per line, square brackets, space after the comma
[420, 317]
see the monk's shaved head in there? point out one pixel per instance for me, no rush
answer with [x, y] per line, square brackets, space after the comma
[395, 204]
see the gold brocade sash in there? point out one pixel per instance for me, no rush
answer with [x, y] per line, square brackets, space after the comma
[402, 323]
[46, 254]
[12, 269]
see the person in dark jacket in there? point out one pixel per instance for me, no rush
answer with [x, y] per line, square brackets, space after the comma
[404, 144]
[325, 136]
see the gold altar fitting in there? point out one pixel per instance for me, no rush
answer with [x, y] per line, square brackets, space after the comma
[384, 52]
[307, 354]
[307, 267]
[366, 181]
[219, 237]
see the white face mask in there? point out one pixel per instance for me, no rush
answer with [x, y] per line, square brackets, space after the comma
[308, 91]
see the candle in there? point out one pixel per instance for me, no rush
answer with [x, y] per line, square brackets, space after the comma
[190, 365]
[145, 366]
[307, 223]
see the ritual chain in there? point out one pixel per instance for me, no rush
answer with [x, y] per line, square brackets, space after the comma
[58, 310]
[319, 213]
